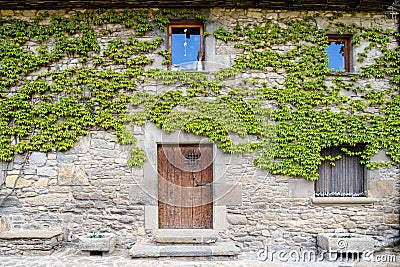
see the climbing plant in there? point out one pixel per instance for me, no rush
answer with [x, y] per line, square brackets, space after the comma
[46, 106]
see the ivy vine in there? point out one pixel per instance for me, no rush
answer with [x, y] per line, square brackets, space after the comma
[287, 124]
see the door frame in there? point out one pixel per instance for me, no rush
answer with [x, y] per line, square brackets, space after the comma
[145, 191]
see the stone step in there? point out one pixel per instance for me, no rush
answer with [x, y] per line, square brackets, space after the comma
[227, 249]
[185, 236]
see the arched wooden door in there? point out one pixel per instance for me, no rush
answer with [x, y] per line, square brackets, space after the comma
[185, 175]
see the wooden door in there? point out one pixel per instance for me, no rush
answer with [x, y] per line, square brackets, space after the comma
[185, 186]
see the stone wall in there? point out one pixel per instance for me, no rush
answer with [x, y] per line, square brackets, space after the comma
[278, 211]
[84, 190]
[89, 188]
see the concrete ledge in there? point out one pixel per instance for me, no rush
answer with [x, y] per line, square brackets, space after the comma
[185, 236]
[30, 234]
[224, 249]
[342, 200]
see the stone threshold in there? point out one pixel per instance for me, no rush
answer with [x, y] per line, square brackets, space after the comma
[185, 236]
[226, 249]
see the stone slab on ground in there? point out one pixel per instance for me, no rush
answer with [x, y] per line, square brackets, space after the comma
[150, 251]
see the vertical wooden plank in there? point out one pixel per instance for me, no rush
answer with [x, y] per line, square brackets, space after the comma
[162, 188]
[197, 191]
[177, 158]
[187, 185]
[169, 194]
[207, 177]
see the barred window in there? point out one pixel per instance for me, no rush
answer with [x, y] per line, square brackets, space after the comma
[346, 178]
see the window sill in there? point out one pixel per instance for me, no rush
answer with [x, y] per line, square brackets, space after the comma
[345, 74]
[342, 200]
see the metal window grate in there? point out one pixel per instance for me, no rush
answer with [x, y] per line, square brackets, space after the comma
[192, 159]
[345, 179]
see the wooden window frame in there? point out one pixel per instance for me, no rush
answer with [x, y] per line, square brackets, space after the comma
[185, 25]
[347, 179]
[346, 40]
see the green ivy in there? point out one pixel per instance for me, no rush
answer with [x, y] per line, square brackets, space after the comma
[285, 125]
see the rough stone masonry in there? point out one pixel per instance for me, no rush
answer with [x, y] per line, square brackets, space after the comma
[90, 188]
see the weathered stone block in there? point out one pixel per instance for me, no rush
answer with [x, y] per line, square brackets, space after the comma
[65, 174]
[150, 217]
[47, 200]
[20, 183]
[3, 166]
[105, 244]
[350, 225]
[334, 242]
[380, 156]
[31, 242]
[237, 219]
[140, 251]
[220, 221]
[392, 219]
[10, 202]
[38, 158]
[65, 158]
[138, 195]
[6, 13]
[47, 171]
[99, 143]
[301, 188]
[188, 251]
[80, 177]
[4, 224]
[42, 182]
[227, 194]
[381, 188]
[185, 236]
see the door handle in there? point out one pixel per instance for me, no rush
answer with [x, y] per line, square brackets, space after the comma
[202, 184]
